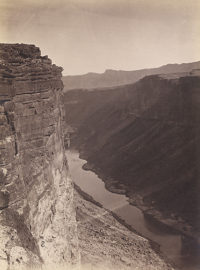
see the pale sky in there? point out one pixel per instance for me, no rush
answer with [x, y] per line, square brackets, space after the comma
[93, 35]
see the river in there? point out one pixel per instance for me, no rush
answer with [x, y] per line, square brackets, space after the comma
[171, 244]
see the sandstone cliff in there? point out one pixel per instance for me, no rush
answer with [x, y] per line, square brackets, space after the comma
[37, 217]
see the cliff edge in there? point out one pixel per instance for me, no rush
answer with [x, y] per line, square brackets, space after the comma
[37, 217]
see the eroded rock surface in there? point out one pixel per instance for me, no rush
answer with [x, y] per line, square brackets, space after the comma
[37, 217]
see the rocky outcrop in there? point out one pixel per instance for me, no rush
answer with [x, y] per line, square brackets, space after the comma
[37, 217]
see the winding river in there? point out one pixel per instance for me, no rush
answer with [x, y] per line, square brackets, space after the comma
[171, 244]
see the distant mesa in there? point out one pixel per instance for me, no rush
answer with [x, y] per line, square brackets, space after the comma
[112, 77]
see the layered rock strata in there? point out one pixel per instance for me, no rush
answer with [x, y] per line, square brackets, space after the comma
[37, 217]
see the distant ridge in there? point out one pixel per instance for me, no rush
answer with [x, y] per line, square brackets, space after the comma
[120, 77]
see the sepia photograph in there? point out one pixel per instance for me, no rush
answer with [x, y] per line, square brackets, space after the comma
[99, 135]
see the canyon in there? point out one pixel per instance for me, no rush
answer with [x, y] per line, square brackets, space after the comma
[142, 139]
[44, 222]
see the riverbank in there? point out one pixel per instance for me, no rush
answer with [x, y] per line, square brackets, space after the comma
[105, 243]
[155, 246]
[169, 223]
[180, 250]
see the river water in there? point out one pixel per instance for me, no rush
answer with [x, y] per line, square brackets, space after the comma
[171, 244]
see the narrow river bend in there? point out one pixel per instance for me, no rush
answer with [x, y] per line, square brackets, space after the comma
[171, 245]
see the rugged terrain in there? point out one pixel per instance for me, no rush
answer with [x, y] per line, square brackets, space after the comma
[112, 78]
[143, 139]
[42, 224]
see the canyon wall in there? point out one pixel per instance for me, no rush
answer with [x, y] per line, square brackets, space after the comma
[143, 140]
[37, 217]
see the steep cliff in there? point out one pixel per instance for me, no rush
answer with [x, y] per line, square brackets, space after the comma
[143, 139]
[37, 217]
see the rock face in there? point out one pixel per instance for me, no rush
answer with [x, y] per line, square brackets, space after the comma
[37, 217]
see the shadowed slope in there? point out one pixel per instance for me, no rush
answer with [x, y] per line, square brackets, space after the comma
[145, 136]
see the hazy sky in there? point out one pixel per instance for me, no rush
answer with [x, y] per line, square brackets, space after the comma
[93, 35]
